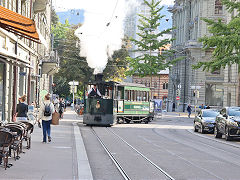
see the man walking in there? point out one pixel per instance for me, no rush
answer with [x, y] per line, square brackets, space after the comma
[189, 110]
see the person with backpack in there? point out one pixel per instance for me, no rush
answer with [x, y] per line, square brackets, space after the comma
[45, 114]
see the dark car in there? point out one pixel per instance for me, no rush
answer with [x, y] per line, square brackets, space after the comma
[228, 123]
[205, 120]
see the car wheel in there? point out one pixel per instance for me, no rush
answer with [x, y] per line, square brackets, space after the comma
[217, 133]
[201, 129]
[227, 135]
[195, 128]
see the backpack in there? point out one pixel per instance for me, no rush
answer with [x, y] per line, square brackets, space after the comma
[47, 110]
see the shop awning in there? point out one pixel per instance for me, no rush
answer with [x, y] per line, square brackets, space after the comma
[18, 24]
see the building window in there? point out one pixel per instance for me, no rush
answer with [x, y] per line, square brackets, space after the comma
[218, 7]
[165, 85]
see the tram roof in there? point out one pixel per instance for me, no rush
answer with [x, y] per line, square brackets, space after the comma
[133, 86]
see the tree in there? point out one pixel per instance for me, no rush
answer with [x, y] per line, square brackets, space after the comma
[117, 64]
[150, 61]
[54, 17]
[224, 41]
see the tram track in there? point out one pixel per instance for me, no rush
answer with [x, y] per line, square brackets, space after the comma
[117, 163]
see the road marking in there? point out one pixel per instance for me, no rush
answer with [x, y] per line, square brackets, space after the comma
[84, 170]
[213, 139]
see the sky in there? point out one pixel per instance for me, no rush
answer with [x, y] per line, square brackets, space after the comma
[64, 5]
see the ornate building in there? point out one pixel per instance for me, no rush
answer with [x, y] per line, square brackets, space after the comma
[184, 81]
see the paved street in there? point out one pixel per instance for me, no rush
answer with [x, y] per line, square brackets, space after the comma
[169, 143]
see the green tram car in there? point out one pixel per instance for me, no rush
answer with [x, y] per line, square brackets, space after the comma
[120, 102]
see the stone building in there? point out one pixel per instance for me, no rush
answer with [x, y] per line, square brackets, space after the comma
[25, 48]
[184, 81]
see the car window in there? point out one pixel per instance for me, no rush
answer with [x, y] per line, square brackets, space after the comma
[210, 113]
[234, 111]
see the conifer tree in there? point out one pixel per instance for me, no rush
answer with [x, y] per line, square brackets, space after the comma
[224, 40]
[150, 61]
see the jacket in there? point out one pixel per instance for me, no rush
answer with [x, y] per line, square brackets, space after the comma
[42, 109]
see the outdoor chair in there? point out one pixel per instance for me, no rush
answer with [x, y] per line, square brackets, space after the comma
[23, 128]
[29, 130]
[17, 143]
[6, 139]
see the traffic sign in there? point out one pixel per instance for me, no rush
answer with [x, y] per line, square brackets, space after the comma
[73, 83]
[178, 98]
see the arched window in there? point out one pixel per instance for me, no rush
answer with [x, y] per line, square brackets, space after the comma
[218, 7]
[165, 85]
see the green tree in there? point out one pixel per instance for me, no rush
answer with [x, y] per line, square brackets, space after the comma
[54, 17]
[224, 40]
[149, 62]
[117, 64]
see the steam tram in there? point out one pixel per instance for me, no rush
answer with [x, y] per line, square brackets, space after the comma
[119, 103]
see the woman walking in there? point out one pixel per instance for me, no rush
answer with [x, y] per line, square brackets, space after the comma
[22, 109]
[45, 114]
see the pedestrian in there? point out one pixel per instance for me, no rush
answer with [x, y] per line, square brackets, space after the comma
[61, 107]
[22, 109]
[189, 110]
[45, 114]
[202, 107]
[56, 104]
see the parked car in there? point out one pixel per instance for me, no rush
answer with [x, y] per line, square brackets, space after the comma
[228, 123]
[205, 120]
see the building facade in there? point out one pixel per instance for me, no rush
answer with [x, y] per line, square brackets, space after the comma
[25, 42]
[194, 86]
[159, 88]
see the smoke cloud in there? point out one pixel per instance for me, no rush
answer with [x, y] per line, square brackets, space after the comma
[102, 31]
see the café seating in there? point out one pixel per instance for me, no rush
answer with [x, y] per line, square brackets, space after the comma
[17, 143]
[6, 139]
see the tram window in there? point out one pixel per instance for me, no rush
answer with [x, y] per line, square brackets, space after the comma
[147, 98]
[141, 95]
[126, 95]
[132, 96]
[144, 96]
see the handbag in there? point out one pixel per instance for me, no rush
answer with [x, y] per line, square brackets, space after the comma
[55, 118]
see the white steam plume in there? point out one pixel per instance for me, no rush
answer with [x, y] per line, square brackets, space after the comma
[102, 30]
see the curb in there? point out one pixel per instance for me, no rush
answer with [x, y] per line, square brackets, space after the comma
[83, 166]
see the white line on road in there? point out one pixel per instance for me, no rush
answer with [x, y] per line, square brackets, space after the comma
[84, 170]
[213, 139]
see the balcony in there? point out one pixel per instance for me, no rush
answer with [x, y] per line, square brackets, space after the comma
[50, 64]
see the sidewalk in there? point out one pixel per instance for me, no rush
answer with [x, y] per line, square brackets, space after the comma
[56, 160]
